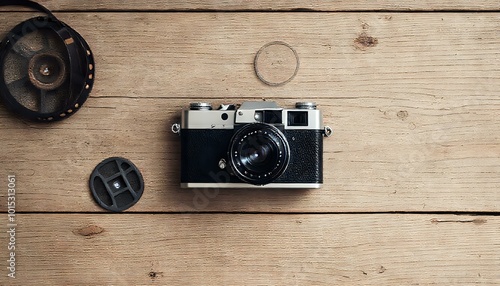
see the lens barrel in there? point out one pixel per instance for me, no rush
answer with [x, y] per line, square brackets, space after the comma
[259, 153]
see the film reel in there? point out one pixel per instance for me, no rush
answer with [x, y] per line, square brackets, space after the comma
[46, 68]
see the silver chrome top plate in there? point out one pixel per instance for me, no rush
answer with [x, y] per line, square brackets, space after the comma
[226, 119]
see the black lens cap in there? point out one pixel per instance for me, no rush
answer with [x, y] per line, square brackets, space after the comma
[116, 184]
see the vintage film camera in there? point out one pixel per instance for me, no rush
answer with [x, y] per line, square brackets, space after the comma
[257, 144]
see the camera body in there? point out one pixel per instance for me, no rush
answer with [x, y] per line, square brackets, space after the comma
[256, 144]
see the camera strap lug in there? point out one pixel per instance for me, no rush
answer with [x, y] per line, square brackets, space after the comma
[328, 131]
[176, 128]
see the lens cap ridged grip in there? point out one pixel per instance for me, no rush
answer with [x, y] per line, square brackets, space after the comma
[116, 184]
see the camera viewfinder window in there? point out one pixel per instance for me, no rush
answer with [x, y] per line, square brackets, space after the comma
[297, 118]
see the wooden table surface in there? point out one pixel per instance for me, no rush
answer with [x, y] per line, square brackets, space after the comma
[412, 172]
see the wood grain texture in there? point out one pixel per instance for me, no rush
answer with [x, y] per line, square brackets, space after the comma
[414, 102]
[210, 249]
[273, 5]
[415, 112]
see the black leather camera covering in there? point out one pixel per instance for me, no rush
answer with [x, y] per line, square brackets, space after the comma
[201, 150]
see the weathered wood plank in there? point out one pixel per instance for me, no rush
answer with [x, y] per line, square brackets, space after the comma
[446, 165]
[255, 250]
[415, 115]
[427, 56]
[274, 5]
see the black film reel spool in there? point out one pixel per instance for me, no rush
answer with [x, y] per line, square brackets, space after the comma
[46, 67]
[116, 184]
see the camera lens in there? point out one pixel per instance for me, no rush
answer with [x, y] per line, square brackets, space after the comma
[257, 157]
[259, 153]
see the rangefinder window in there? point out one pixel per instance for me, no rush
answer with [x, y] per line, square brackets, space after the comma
[273, 116]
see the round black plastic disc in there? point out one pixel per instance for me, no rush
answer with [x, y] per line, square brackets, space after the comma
[116, 184]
